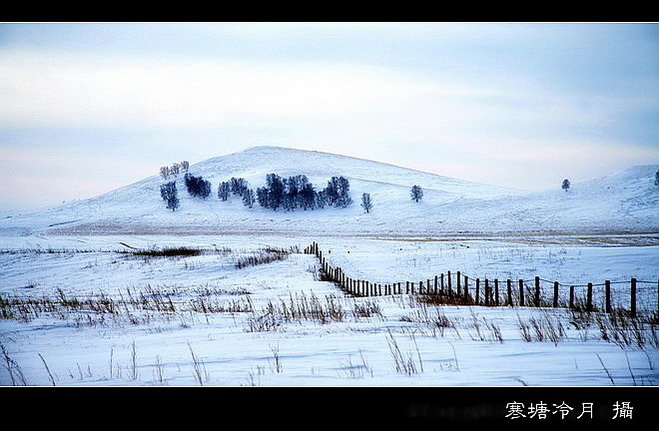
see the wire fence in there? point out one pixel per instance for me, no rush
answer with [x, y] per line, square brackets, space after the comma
[460, 288]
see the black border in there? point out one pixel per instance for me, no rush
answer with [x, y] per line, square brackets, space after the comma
[329, 12]
[318, 406]
[311, 406]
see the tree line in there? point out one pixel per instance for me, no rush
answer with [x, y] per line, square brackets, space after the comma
[288, 193]
[174, 169]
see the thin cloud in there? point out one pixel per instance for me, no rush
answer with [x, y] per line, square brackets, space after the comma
[526, 100]
[45, 89]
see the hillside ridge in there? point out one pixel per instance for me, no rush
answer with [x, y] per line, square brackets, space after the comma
[623, 201]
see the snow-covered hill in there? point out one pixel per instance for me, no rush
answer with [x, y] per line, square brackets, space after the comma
[627, 201]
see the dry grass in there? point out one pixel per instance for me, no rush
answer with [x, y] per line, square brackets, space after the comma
[132, 306]
[265, 255]
[297, 309]
[166, 252]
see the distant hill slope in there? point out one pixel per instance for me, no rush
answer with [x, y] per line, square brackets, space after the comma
[627, 201]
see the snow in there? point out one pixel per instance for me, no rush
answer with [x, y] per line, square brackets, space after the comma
[621, 202]
[604, 229]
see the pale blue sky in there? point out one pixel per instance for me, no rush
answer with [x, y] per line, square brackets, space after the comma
[87, 108]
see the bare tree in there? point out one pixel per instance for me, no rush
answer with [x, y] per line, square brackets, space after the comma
[367, 204]
[417, 193]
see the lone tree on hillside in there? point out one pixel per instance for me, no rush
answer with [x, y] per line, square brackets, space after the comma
[656, 179]
[417, 193]
[367, 204]
[566, 184]
[169, 195]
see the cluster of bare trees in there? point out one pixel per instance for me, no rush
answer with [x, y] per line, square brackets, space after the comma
[174, 169]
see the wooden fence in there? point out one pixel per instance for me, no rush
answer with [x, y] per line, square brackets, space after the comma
[459, 288]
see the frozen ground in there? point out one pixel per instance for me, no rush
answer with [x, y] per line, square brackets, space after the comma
[277, 324]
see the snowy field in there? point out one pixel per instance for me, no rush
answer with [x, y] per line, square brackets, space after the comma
[86, 300]
[85, 311]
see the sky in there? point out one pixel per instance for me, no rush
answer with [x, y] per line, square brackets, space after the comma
[90, 107]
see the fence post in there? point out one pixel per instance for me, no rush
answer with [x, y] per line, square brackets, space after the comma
[407, 287]
[449, 283]
[633, 299]
[510, 291]
[496, 291]
[435, 285]
[478, 289]
[537, 291]
[589, 297]
[466, 287]
[487, 292]
[442, 288]
[412, 287]
[521, 292]
[555, 294]
[607, 292]
[571, 296]
[458, 283]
